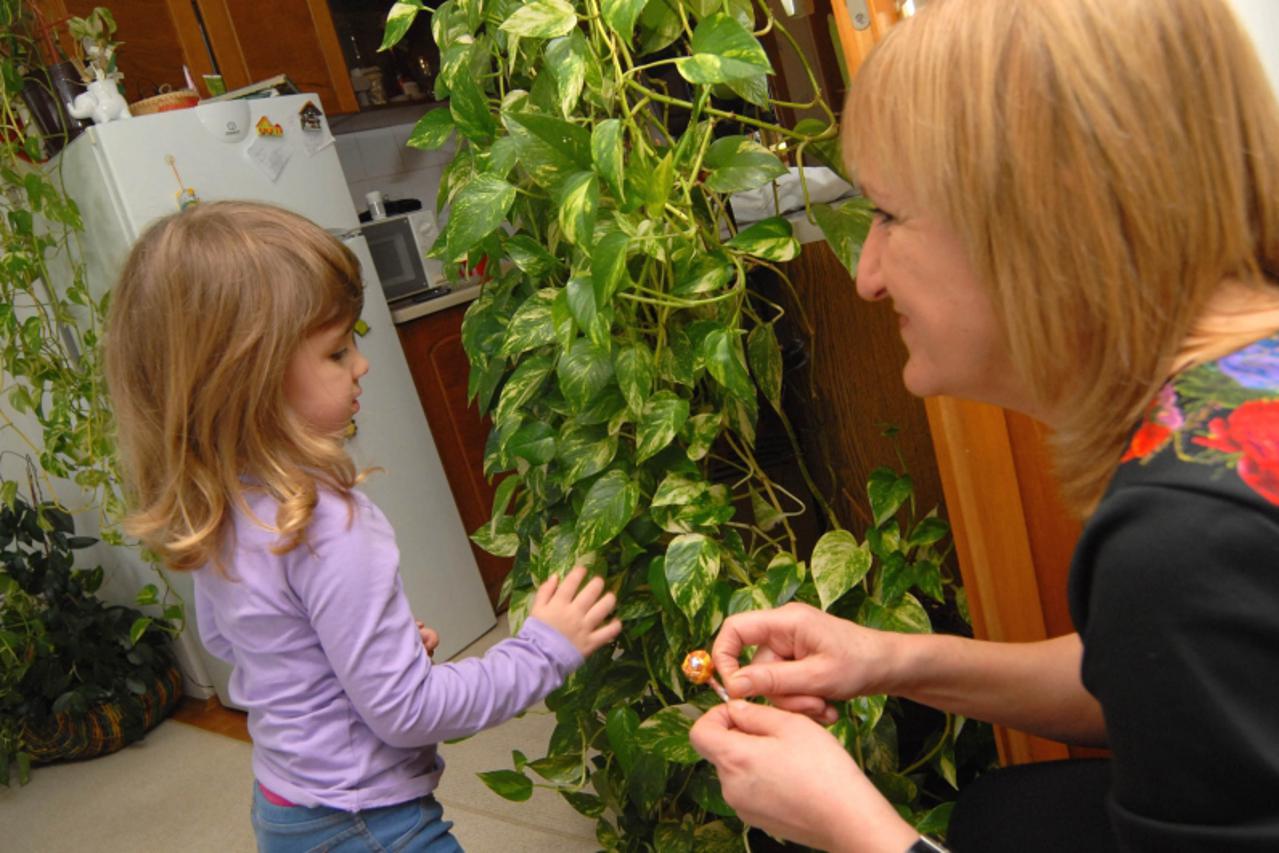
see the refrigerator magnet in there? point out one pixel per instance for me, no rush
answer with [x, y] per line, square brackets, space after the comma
[266, 127]
[310, 118]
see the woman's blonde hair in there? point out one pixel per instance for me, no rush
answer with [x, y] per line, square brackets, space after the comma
[1108, 165]
[212, 304]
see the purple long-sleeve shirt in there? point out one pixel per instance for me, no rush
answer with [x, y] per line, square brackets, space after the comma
[345, 707]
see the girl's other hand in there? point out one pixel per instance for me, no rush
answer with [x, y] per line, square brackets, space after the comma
[430, 639]
[576, 613]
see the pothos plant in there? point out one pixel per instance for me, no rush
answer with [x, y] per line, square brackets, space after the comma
[623, 355]
[53, 401]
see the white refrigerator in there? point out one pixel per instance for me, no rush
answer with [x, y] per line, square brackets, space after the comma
[125, 174]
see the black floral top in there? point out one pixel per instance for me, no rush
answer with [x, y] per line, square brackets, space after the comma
[1174, 588]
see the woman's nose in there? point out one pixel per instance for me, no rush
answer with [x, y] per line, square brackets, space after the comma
[870, 283]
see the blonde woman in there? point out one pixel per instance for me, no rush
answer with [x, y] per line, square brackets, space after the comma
[1079, 220]
[234, 370]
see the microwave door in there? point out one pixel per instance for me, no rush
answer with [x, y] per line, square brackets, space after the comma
[395, 257]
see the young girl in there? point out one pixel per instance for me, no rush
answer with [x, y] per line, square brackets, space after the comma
[234, 372]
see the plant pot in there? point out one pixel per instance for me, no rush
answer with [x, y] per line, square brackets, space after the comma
[104, 728]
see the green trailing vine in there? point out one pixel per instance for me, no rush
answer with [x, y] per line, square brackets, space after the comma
[623, 355]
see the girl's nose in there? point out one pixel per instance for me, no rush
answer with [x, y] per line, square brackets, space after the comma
[870, 283]
[361, 364]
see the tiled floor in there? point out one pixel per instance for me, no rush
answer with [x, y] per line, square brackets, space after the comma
[185, 788]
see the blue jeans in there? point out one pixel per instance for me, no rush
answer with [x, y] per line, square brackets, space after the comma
[417, 826]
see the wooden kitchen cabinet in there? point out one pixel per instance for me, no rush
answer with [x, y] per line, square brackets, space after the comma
[433, 346]
[248, 41]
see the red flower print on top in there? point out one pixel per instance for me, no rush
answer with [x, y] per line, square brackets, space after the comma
[1252, 432]
[1146, 441]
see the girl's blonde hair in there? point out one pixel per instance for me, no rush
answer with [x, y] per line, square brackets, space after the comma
[1108, 165]
[212, 304]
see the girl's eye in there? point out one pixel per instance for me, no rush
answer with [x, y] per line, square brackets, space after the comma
[339, 355]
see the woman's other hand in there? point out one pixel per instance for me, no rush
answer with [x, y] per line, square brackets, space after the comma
[787, 775]
[804, 658]
[576, 613]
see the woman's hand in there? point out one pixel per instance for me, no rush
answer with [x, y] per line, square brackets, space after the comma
[577, 614]
[787, 775]
[805, 657]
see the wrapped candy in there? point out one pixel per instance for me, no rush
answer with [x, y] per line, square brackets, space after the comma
[699, 669]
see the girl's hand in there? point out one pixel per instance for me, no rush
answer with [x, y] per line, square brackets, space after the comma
[805, 657]
[430, 639]
[787, 775]
[577, 614]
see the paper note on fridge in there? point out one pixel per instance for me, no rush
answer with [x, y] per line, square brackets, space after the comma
[270, 154]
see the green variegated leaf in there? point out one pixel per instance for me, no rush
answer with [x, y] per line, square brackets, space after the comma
[751, 89]
[887, 493]
[567, 59]
[580, 295]
[838, 564]
[584, 451]
[620, 15]
[530, 255]
[692, 564]
[702, 274]
[659, 26]
[398, 21]
[666, 734]
[523, 385]
[658, 188]
[584, 371]
[480, 207]
[541, 19]
[771, 239]
[620, 726]
[846, 228]
[498, 537]
[534, 443]
[550, 148]
[703, 430]
[607, 508]
[432, 130]
[766, 362]
[508, 784]
[766, 515]
[723, 353]
[723, 50]
[530, 326]
[678, 490]
[608, 265]
[930, 530]
[908, 616]
[579, 199]
[557, 553]
[782, 579]
[562, 320]
[565, 768]
[661, 419]
[738, 163]
[470, 110]
[717, 837]
[606, 151]
[635, 374]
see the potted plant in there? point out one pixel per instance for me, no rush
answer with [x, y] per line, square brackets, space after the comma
[628, 360]
[78, 678]
[96, 61]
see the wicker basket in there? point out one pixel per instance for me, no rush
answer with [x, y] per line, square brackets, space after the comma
[178, 99]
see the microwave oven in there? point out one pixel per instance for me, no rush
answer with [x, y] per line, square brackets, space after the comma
[398, 246]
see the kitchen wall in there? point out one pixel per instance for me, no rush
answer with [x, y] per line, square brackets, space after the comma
[379, 159]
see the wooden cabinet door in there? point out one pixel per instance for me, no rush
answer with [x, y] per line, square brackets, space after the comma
[254, 41]
[433, 347]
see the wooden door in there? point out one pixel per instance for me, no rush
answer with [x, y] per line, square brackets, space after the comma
[433, 347]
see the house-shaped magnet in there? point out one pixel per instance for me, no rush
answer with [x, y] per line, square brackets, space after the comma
[309, 117]
[266, 128]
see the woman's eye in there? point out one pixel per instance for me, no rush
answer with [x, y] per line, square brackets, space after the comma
[882, 216]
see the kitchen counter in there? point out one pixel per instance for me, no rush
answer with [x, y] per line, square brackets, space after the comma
[465, 293]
